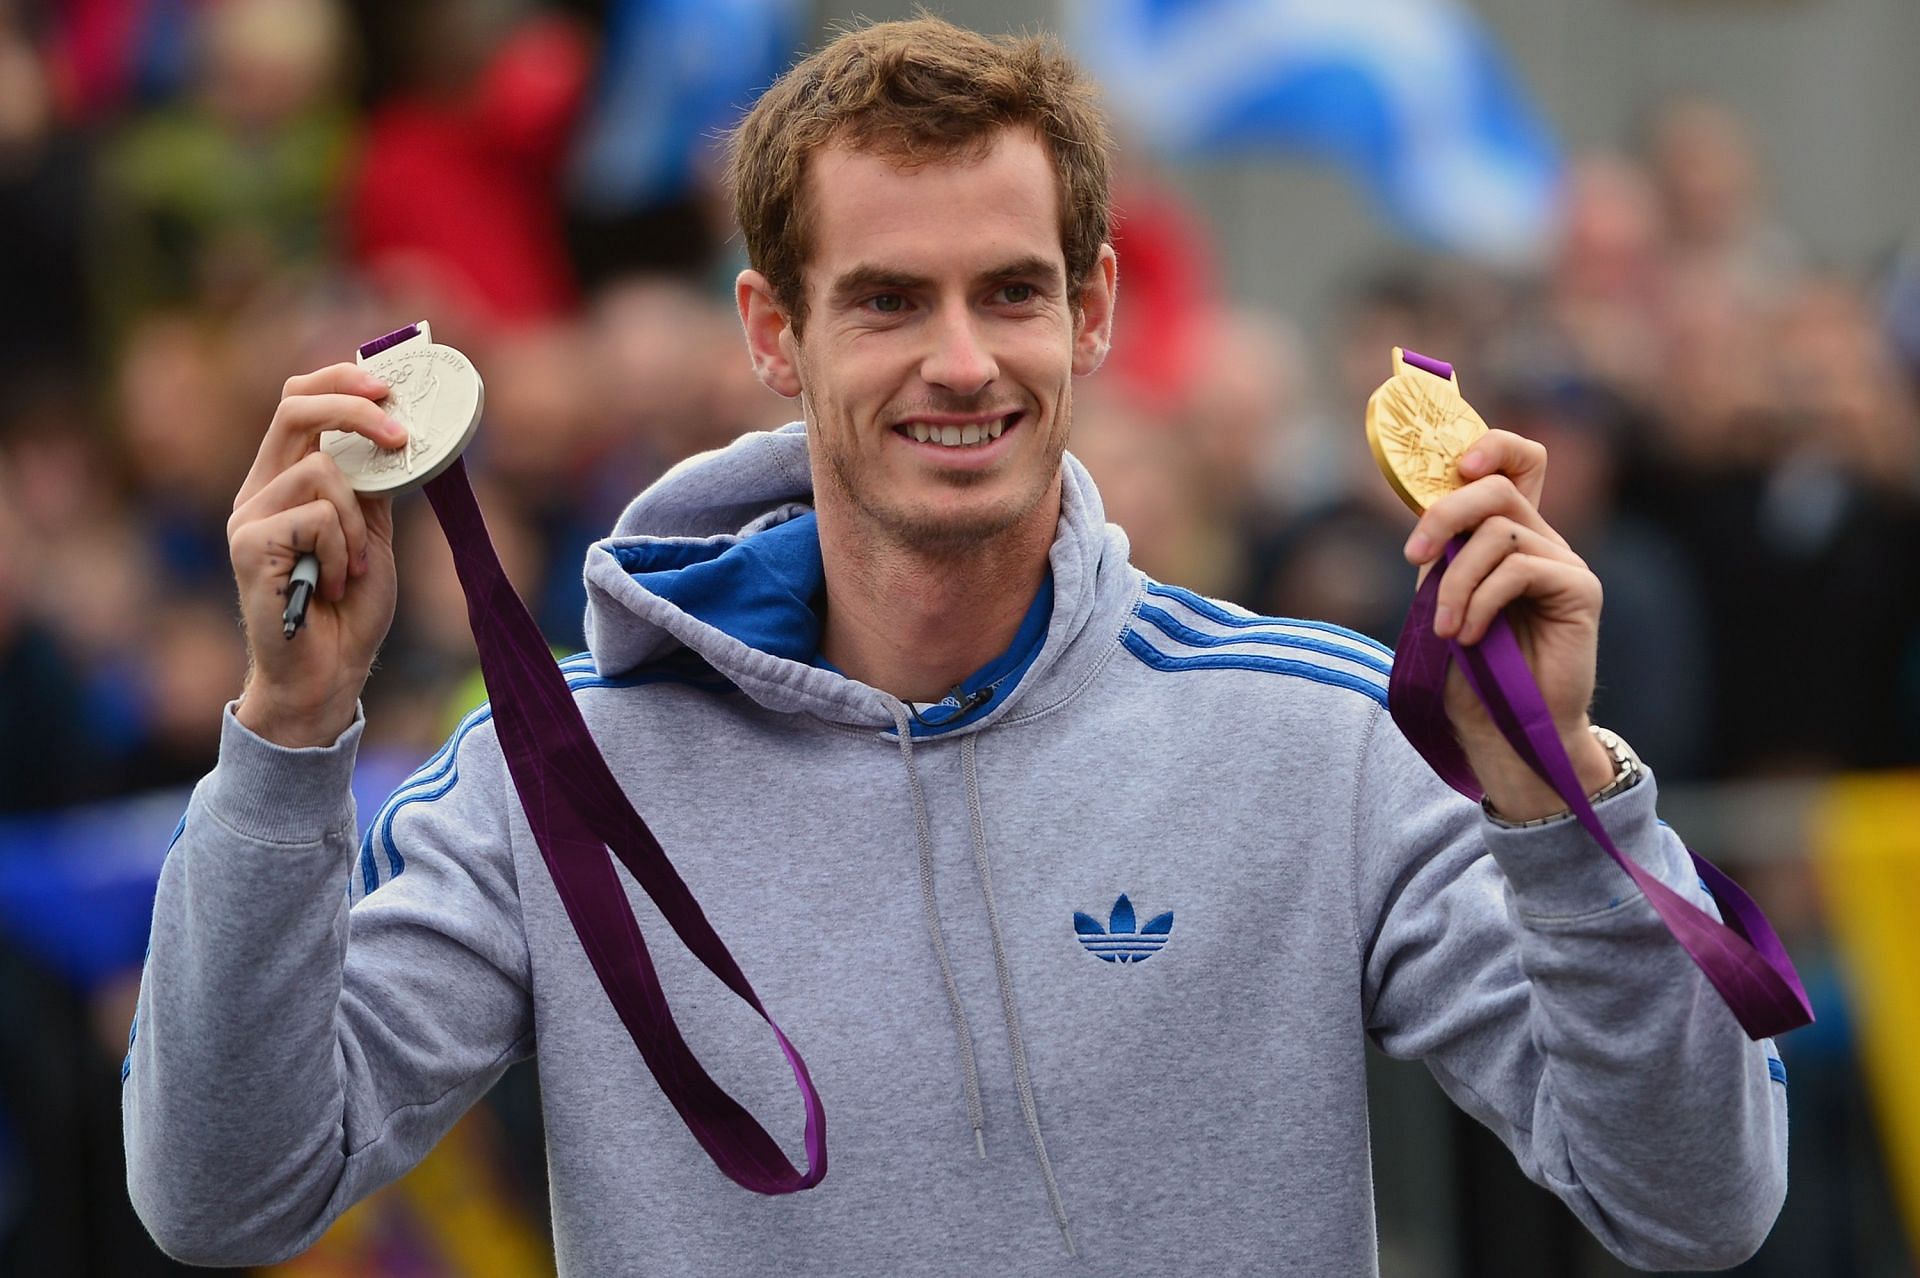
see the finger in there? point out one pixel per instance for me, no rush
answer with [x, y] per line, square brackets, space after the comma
[1557, 587]
[315, 476]
[299, 420]
[1465, 509]
[1495, 539]
[267, 549]
[1501, 452]
[345, 378]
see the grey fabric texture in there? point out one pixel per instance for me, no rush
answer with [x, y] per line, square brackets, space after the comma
[906, 908]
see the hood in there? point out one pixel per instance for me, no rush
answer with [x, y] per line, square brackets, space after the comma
[721, 556]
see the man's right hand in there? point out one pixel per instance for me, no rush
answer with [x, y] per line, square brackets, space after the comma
[303, 691]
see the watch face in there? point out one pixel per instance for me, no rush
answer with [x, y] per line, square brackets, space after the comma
[1626, 764]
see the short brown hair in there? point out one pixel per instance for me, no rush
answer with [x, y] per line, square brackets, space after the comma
[924, 90]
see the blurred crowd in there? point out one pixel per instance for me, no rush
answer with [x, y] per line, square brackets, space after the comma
[198, 200]
[190, 220]
[1732, 429]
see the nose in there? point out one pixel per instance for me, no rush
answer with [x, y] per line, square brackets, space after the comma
[957, 359]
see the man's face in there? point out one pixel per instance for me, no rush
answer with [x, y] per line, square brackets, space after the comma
[940, 342]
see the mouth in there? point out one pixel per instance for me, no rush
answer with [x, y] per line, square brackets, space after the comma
[962, 436]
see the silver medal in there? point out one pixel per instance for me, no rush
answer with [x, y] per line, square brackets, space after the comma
[435, 394]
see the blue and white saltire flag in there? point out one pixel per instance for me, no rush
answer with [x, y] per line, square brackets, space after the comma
[675, 76]
[1414, 97]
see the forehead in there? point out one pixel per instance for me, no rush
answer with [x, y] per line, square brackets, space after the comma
[946, 216]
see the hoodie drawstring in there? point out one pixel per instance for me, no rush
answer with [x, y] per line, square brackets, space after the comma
[976, 1113]
[1022, 1081]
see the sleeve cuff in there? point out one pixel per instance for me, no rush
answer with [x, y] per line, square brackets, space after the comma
[276, 794]
[1558, 871]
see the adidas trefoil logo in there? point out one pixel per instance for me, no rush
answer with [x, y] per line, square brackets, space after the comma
[1119, 941]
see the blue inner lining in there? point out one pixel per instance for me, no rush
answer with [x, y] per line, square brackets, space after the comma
[765, 591]
[759, 589]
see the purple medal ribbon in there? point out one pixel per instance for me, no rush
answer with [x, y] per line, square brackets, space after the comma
[578, 812]
[1743, 958]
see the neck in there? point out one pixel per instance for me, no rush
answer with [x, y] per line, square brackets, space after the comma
[914, 624]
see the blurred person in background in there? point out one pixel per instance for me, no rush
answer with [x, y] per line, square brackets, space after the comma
[1247, 427]
[182, 419]
[45, 750]
[1708, 175]
[58, 509]
[1204, 472]
[1602, 293]
[1709, 398]
[454, 196]
[1806, 493]
[46, 185]
[189, 649]
[1153, 485]
[1174, 299]
[204, 197]
[662, 363]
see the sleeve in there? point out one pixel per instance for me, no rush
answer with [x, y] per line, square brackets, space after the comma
[1550, 1002]
[291, 1054]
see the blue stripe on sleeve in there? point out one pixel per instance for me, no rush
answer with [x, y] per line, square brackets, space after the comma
[1175, 629]
[1220, 616]
[1152, 656]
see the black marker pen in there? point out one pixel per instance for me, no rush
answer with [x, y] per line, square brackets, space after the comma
[306, 575]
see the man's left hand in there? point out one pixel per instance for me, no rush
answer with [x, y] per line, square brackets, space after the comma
[1514, 560]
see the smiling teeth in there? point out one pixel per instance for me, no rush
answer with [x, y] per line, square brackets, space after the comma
[957, 436]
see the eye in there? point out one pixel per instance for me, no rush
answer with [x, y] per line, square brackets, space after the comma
[1018, 293]
[888, 303]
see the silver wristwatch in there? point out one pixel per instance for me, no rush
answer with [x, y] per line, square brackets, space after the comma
[1627, 771]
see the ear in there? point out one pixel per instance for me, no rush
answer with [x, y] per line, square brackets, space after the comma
[769, 331]
[1093, 333]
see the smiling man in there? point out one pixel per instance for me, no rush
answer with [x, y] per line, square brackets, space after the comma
[932, 340]
[1081, 894]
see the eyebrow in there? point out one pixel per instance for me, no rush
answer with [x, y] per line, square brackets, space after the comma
[861, 280]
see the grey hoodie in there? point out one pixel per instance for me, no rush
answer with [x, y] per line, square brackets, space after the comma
[1093, 952]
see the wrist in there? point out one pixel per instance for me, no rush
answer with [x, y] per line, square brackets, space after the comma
[1515, 793]
[282, 722]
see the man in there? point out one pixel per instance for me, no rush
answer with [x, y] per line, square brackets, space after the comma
[929, 752]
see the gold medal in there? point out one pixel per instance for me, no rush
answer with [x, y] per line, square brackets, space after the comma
[1418, 426]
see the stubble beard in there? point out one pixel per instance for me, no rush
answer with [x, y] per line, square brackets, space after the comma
[930, 536]
[953, 537]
